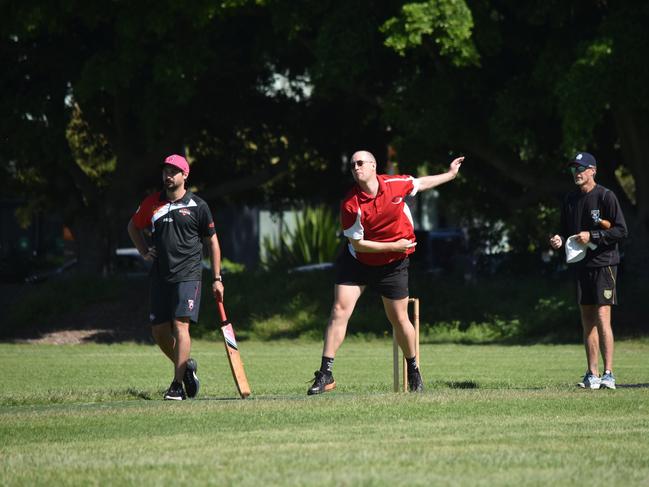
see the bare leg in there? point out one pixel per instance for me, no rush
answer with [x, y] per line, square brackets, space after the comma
[397, 312]
[605, 331]
[345, 298]
[590, 322]
[163, 336]
[183, 346]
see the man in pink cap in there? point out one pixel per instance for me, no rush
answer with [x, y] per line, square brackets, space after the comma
[180, 223]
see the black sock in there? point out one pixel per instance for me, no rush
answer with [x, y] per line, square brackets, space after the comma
[326, 365]
[412, 364]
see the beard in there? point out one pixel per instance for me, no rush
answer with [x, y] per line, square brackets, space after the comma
[171, 185]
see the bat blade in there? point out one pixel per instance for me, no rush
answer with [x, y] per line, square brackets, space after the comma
[234, 358]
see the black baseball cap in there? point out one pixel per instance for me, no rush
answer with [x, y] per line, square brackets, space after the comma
[584, 159]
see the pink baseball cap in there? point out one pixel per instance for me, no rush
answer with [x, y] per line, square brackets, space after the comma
[178, 161]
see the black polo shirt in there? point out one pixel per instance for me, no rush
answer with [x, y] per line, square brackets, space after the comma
[580, 213]
[178, 229]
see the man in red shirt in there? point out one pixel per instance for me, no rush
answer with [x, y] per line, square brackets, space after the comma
[180, 223]
[381, 235]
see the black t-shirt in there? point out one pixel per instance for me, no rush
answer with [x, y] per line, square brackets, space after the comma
[580, 213]
[178, 230]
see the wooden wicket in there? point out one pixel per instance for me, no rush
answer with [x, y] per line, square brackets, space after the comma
[395, 350]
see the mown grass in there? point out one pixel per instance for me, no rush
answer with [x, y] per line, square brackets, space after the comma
[491, 415]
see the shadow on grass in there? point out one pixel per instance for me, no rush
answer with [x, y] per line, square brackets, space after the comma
[463, 384]
[139, 394]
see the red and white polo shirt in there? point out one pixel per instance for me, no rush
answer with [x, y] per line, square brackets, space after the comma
[383, 218]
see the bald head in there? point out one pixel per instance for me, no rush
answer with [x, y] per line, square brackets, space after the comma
[363, 155]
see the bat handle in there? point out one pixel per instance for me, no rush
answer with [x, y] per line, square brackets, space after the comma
[219, 303]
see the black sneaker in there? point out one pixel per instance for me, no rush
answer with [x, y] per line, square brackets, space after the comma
[415, 383]
[175, 392]
[190, 379]
[322, 383]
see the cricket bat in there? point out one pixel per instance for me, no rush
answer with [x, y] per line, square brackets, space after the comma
[232, 351]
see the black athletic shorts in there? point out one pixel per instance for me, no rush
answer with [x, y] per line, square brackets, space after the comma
[171, 300]
[597, 285]
[390, 280]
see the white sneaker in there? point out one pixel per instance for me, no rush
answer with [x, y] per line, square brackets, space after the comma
[591, 381]
[608, 380]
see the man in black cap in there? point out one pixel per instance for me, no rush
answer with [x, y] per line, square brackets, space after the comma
[592, 216]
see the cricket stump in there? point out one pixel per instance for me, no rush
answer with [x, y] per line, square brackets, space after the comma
[395, 350]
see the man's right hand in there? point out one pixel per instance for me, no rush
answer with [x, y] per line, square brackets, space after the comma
[150, 255]
[403, 245]
[556, 242]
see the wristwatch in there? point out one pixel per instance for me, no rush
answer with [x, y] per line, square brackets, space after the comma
[217, 278]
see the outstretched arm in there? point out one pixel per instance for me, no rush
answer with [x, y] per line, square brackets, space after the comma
[428, 182]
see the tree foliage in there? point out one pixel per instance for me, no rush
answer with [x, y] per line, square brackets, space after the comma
[267, 97]
[446, 23]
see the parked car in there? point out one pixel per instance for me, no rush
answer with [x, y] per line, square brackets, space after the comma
[440, 249]
[130, 263]
[127, 262]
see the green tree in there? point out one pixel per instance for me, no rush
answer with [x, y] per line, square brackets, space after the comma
[550, 78]
[266, 98]
[128, 83]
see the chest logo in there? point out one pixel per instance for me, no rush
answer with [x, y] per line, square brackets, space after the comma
[396, 200]
[184, 212]
[594, 214]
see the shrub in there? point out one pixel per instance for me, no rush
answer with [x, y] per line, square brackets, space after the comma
[313, 240]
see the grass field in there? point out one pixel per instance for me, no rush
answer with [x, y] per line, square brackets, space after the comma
[491, 415]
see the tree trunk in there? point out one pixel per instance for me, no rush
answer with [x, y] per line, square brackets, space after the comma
[633, 130]
[90, 238]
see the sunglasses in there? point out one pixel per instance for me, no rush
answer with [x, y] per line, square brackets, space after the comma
[359, 163]
[578, 169]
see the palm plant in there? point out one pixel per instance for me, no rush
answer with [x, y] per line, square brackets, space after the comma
[313, 240]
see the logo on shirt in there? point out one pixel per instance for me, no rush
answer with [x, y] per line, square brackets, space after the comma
[396, 200]
[184, 211]
[608, 293]
[190, 304]
[594, 214]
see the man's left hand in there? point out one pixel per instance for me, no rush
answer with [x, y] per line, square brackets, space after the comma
[217, 290]
[454, 168]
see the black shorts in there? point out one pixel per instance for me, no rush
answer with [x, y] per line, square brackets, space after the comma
[597, 285]
[171, 300]
[390, 280]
